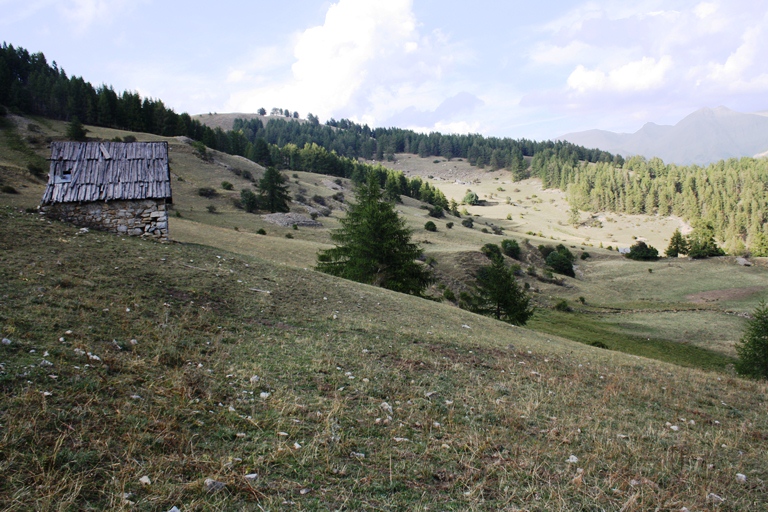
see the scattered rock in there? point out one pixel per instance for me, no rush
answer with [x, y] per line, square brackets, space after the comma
[6, 341]
[289, 219]
[743, 262]
[386, 408]
[212, 485]
[741, 478]
[145, 480]
[714, 498]
[251, 476]
[572, 459]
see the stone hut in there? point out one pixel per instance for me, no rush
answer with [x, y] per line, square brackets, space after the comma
[123, 187]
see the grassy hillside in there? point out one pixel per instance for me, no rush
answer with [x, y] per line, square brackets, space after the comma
[182, 363]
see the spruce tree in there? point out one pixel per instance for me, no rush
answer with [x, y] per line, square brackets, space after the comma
[752, 349]
[374, 245]
[497, 294]
[274, 191]
[677, 245]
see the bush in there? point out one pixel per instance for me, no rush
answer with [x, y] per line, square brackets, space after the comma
[247, 175]
[511, 248]
[471, 198]
[338, 196]
[200, 149]
[436, 212]
[561, 263]
[430, 226]
[7, 189]
[207, 192]
[562, 305]
[752, 349]
[211, 208]
[129, 138]
[584, 255]
[261, 231]
[227, 185]
[546, 250]
[468, 222]
[449, 225]
[249, 200]
[449, 295]
[318, 199]
[642, 252]
[492, 251]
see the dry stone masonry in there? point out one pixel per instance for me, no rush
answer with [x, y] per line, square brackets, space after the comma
[146, 218]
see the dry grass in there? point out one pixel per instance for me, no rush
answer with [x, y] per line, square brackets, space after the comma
[484, 417]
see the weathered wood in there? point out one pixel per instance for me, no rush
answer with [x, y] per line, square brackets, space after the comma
[104, 171]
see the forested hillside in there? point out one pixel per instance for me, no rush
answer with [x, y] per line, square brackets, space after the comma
[728, 195]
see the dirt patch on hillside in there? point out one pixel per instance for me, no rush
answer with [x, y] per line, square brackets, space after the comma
[727, 294]
[290, 219]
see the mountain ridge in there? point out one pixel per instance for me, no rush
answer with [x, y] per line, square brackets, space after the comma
[702, 137]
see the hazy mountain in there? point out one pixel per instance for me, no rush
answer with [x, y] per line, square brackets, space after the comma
[705, 136]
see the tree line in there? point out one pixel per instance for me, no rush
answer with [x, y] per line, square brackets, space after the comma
[727, 197]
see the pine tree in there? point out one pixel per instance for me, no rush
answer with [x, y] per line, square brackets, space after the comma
[274, 191]
[374, 245]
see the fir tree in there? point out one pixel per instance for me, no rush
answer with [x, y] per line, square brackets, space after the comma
[374, 245]
[677, 245]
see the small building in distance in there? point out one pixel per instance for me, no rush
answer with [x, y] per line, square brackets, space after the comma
[123, 187]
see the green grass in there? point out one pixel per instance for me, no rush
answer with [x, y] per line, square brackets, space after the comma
[484, 417]
[592, 331]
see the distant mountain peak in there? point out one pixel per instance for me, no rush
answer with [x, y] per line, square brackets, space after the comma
[702, 137]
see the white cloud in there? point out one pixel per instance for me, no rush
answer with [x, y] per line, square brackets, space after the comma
[647, 73]
[365, 61]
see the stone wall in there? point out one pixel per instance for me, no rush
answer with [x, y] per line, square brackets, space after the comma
[147, 218]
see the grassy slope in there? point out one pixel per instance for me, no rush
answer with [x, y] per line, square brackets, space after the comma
[484, 416]
[510, 405]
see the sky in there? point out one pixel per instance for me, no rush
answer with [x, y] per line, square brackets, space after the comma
[533, 70]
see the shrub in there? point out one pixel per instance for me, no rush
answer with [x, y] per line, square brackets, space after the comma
[430, 226]
[546, 250]
[7, 189]
[211, 208]
[492, 251]
[200, 149]
[468, 222]
[299, 198]
[562, 305]
[484, 230]
[261, 231]
[338, 196]
[288, 235]
[584, 255]
[249, 200]
[511, 248]
[247, 175]
[295, 227]
[471, 198]
[207, 192]
[318, 199]
[436, 212]
[449, 295]
[227, 185]
[129, 138]
[449, 225]
[561, 262]
[642, 252]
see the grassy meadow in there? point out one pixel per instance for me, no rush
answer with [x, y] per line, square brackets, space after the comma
[139, 376]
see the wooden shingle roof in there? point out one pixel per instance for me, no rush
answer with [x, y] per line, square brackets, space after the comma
[105, 171]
